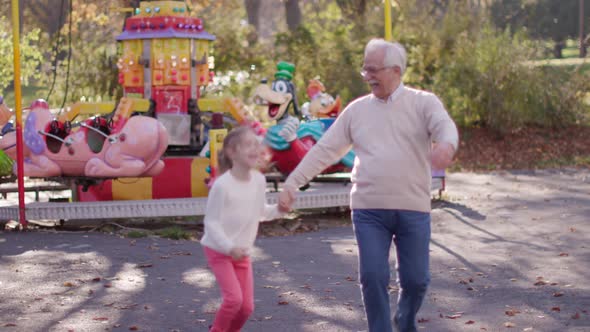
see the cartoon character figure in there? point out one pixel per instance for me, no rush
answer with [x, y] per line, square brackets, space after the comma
[122, 147]
[321, 105]
[289, 140]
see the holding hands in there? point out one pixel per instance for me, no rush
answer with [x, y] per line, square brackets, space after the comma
[286, 199]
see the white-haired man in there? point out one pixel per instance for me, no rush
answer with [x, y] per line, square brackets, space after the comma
[392, 131]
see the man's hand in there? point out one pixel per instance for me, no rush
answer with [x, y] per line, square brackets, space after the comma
[286, 199]
[238, 253]
[442, 155]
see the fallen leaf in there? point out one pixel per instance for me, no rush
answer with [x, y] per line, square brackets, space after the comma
[512, 312]
[513, 279]
[557, 294]
[100, 318]
[68, 284]
[509, 324]
[423, 320]
[283, 302]
[133, 328]
[540, 283]
[350, 279]
[469, 322]
[455, 316]
[145, 265]
[97, 279]
[9, 325]
[576, 315]
[557, 309]
[108, 285]
[564, 254]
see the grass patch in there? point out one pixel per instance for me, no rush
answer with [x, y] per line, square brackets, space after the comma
[174, 233]
[577, 161]
[29, 94]
[571, 62]
[136, 234]
[570, 52]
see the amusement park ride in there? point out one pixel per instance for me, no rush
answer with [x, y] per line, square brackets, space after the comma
[153, 153]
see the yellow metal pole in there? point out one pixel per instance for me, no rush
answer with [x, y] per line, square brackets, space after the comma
[387, 10]
[19, 114]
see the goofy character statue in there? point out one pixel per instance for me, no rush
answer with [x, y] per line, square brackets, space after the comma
[289, 139]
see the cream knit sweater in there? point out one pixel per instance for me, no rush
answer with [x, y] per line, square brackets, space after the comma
[392, 141]
[234, 209]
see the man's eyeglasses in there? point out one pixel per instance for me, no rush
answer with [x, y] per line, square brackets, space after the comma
[372, 71]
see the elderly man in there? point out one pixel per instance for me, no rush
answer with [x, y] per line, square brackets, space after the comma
[392, 131]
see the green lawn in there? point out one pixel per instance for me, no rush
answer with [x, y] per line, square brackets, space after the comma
[571, 49]
[29, 94]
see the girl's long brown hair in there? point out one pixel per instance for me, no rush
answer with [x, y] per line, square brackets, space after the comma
[230, 142]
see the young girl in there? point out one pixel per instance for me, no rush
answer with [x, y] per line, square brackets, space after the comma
[235, 206]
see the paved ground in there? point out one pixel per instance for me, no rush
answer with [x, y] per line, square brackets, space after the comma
[510, 252]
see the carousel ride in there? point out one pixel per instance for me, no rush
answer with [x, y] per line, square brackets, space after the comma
[160, 140]
[153, 153]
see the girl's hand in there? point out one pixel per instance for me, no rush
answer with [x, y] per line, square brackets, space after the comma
[286, 199]
[238, 253]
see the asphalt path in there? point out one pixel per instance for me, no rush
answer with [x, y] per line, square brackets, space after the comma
[509, 252]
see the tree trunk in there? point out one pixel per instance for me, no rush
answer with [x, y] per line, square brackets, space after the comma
[354, 11]
[557, 48]
[293, 14]
[581, 30]
[253, 11]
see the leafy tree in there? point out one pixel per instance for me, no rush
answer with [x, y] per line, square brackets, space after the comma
[86, 66]
[509, 14]
[555, 20]
[31, 56]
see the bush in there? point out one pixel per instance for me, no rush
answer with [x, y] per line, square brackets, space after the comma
[31, 56]
[174, 233]
[484, 76]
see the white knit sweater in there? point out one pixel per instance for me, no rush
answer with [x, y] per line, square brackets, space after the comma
[234, 209]
[392, 141]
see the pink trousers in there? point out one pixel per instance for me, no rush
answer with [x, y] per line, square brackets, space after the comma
[236, 283]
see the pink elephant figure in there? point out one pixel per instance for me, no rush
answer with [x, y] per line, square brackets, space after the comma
[53, 148]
